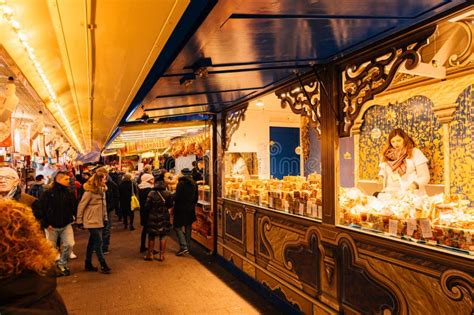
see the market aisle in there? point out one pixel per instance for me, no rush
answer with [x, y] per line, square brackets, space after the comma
[179, 285]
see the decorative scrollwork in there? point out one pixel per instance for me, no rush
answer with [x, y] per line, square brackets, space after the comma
[361, 82]
[463, 57]
[329, 268]
[455, 283]
[303, 100]
[232, 122]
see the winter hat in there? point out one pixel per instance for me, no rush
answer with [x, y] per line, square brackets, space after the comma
[8, 171]
[186, 171]
[146, 181]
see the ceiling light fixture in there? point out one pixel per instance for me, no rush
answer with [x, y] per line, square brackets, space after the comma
[7, 13]
[260, 103]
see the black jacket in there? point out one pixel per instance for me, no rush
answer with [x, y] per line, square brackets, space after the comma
[30, 293]
[112, 195]
[142, 195]
[125, 191]
[57, 207]
[185, 200]
[157, 204]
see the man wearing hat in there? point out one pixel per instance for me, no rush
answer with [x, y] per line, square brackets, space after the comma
[184, 212]
[9, 188]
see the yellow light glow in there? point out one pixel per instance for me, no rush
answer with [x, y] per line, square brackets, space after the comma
[23, 38]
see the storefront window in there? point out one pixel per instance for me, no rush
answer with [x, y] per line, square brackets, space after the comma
[407, 169]
[273, 160]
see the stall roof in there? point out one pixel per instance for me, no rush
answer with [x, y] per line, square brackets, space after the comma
[245, 47]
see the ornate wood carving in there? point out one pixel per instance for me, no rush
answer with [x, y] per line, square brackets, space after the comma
[278, 291]
[234, 224]
[455, 284]
[232, 122]
[303, 100]
[360, 279]
[303, 259]
[362, 81]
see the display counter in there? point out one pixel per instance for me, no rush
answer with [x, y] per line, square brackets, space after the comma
[323, 269]
[394, 200]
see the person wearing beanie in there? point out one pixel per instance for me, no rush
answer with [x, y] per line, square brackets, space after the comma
[147, 182]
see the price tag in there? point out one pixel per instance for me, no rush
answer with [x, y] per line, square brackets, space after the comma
[426, 228]
[411, 226]
[286, 204]
[314, 210]
[393, 227]
[301, 210]
[309, 207]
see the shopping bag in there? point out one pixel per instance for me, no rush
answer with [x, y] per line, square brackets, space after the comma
[134, 203]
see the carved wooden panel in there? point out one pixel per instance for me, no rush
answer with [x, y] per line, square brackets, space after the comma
[232, 122]
[304, 260]
[360, 291]
[234, 223]
[304, 100]
[425, 294]
[362, 80]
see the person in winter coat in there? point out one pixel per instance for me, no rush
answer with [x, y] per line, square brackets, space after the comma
[37, 188]
[10, 189]
[112, 196]
[57, 210]
[91, 214]
[125, 191]
[184, 213]
[26, 284]
[157, 204]
[147, 183]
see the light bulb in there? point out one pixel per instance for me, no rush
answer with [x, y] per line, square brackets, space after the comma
[260, 103]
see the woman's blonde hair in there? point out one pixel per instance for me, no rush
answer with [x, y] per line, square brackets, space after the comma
[96, 180]
[22, 244]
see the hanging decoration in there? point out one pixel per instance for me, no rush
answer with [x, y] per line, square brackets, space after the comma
[197, 145]
[8, 103]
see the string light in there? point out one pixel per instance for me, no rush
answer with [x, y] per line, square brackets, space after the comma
[7, 13]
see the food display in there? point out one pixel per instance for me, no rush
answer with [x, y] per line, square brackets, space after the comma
[440, 220]
[293, 194]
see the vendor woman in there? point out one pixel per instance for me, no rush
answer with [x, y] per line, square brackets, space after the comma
[403, 167]
[239, 167]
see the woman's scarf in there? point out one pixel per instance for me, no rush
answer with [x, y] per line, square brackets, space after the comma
[396, 159]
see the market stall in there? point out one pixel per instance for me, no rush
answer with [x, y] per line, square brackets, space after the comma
[31, 140]
[173, 146]
[339, 234]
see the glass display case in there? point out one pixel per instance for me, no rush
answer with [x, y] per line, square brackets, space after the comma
[272, 164]
[411, 173]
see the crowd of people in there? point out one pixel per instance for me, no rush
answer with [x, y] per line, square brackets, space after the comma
[38, 227]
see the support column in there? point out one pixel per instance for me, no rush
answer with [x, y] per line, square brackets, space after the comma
[447, 161]
[329, 146]
[445, 115]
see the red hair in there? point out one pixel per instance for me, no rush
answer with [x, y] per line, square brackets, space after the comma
[22, 243]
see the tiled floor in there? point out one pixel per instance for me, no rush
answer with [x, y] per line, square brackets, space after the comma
[179, 285]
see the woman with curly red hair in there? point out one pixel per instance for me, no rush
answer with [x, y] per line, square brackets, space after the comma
[26, 259]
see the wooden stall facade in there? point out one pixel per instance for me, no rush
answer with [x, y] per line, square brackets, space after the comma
[318, 266]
